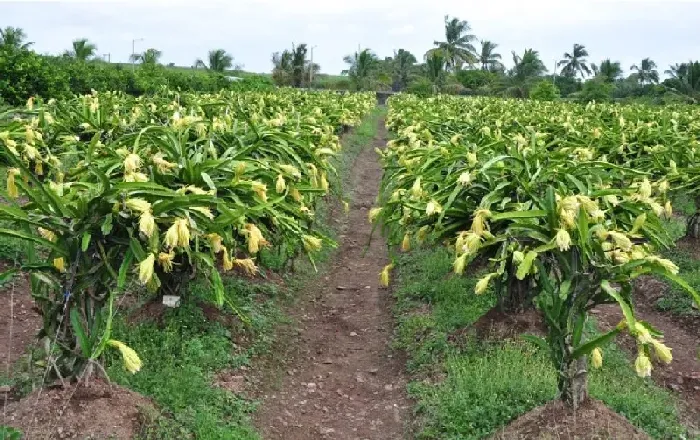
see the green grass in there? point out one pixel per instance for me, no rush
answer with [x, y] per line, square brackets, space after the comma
[181, 357]
[471, 390]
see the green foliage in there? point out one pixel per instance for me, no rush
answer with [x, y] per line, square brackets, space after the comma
[23, 73]
[476, 79]
[484, 385]
[544, 91]
[182, 355]
[421, 87]
[595, 90]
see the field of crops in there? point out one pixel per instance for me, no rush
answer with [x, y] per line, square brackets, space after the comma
[111, 189]
[558, 206]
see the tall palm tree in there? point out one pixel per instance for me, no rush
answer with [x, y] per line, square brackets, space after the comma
[529, 65]
[575, 62]
[82, 50]
[299, 64]
[609, 70]
[435, 65]
[488, 58]
[402, 63]
[361, 68]
[219, 61]
[150, 56]
[457, 48]
[14, 37]
[685, 76]
[646, 71]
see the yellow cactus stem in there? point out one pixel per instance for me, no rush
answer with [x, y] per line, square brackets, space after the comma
[161, 164]
[132, 163]
[147, 224]
[171, 238]
[135, 177]
[662, 351]
[416, 190]
[597, 358]
[39, 168]
[674, 168]
[621, 240]
[216, 242]
[645, 189]
[471, 158]
[46, 234]
[260, 189]
[206, 212]
[657, 208]
[460, 264]
[663, 262]
[525, 267]
[346, 207]
[324, 182]
[132, 362]
[291, 170]
[664, 186]
[668, 209]
[479, 222]
[146, 269]
[60, 264]
[384, 275]
[642, 365]
[465, 178]
[406, 243]
[422, 234]
[11, 185]
[638, 223]
[620, 257]
[138, 205]
[373, 214]
[165, 259]
[280, 185]
[483, 284]
[255, 239]
[240, 168]
[247, 265]
[433, 208]
[227, 261]
[311, 243]
[183, 232]
[563, 240]
[296, 195]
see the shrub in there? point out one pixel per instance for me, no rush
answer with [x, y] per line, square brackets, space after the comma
[544, 91]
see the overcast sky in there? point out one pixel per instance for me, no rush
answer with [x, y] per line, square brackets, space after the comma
[625, 31]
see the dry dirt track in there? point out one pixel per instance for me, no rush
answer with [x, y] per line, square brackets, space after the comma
[345, 382]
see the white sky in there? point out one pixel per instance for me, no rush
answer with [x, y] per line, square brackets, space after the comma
[625, 31]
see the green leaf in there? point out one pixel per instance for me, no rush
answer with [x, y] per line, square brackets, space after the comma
[626, 308]
[86, 241]
[83, 340]
[586, 348]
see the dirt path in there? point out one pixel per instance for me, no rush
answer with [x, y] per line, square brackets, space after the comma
[344, 382]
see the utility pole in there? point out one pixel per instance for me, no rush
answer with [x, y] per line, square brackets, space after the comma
[107, 57]
[554, 74]
[133, 53]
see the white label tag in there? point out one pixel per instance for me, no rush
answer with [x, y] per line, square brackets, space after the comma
[171, 301]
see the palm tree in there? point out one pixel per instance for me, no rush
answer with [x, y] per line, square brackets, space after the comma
[402, 63]
[646, 71]
[361, 67]
[82, 50]
[457, 48]
[150, 56]
[435, 65]
[527, 66]
[685, 77]
[299, 64]
[488, 58]
[219, 61]
[609, 70]
[14, 37]
[282, 68]
[575, 62]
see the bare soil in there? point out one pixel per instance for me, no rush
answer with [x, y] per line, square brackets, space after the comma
[343, 380]
[22, 316]
[554, 420]
[96, 411]
[497, 325]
